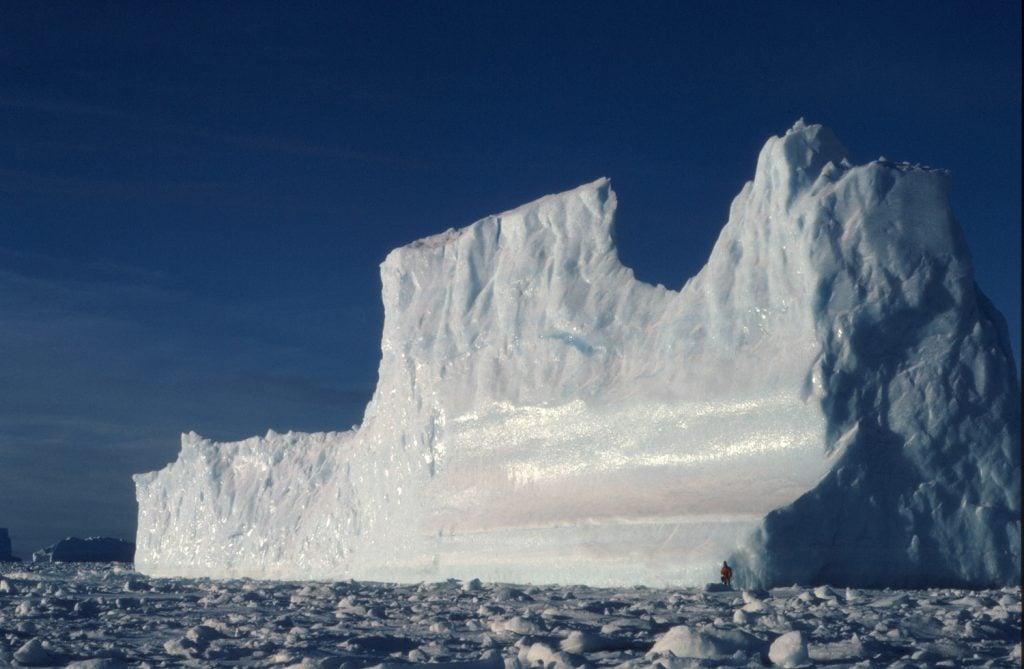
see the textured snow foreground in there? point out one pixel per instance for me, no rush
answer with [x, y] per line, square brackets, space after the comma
[93, 617]
[830, 400]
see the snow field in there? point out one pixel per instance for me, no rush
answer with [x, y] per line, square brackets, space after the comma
[109, 616]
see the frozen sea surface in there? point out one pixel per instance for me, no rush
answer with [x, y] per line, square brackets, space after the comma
[110, 616]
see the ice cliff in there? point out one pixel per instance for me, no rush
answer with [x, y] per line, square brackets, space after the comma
[831, 399]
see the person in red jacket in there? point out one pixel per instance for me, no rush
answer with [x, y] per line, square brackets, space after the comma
[726, 574]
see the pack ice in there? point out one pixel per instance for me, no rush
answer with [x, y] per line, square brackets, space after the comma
[830, 399]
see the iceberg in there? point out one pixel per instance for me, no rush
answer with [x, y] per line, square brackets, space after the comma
[831, 399]
[90, 549]
[5, 546]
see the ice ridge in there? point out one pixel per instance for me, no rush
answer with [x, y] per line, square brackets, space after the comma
[830, 399]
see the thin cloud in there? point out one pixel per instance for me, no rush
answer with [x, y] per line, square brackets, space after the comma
[41, 183]
[62, 107]
[36, 283]
[291, 147]
[260, 143]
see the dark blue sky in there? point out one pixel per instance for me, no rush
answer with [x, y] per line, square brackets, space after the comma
[194, 198]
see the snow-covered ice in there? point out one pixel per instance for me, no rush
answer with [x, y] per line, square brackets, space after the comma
[830, 400]
[109, 616]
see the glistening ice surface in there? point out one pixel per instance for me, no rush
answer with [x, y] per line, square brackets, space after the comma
[98, 616]
[643, 494]
[831, 399]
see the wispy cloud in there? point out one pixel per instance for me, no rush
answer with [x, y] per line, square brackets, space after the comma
[218, 193]
[252, 142]
[62, 107]
[291, 147]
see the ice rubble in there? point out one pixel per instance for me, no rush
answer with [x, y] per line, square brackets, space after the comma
[831, 399]
[103, 615]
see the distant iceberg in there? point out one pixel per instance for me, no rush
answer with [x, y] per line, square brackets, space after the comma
[5, 547]
[91, 549]
[830, 400]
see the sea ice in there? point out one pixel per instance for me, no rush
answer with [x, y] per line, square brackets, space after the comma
[830, 400]
[789, 650]
[97, 615]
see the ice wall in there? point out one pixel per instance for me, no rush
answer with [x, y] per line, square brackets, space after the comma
[830, 399]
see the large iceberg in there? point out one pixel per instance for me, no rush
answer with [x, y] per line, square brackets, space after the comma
[831, 399]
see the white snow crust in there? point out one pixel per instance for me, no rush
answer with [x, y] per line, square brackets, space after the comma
[830, 400]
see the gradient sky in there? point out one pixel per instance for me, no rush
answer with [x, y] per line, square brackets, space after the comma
[195, 197]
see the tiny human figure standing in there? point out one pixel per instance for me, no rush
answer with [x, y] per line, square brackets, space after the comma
[726, 574]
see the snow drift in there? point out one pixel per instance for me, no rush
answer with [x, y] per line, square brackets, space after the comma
[831, 399]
